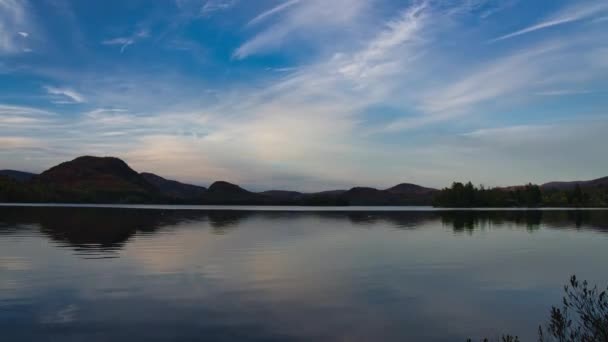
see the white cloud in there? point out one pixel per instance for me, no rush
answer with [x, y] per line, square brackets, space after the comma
[301, 21]
[563, 92]
[17, 118]
[579, 11]
[212, 6]
[308, 126]
[21, 110]
[18, 142]
[65, 95]
[110, 116]
[495, 8]
[378, 55]
[273, 11]
[125, 42]
[13, 19]
[499, 78]
[518, 76]
[309, 117]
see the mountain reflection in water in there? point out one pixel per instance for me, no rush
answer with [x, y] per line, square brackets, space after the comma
[133, 274]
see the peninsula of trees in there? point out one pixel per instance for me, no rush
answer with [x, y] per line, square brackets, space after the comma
[555, 194]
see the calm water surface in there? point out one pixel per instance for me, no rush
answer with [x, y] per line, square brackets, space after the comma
[125, 274]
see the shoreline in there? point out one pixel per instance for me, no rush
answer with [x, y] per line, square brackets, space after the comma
[291, 208]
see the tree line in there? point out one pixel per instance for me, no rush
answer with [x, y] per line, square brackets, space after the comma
[530, 195]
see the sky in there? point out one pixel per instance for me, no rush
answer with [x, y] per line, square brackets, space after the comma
[309, 94]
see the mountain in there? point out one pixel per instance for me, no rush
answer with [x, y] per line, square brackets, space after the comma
[410, 189]
[222, 192]
[366, 196]
[97, 179]
[283, 195]
[91, 179]
[323, 198]
[599, 182]
[19, 176]
[110, 180]
[401, 194]
[174, 189]
[413, 194]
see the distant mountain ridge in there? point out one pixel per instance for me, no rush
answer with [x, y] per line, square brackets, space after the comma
[222, 192]
[599, 182]
[174, 189]
[90, 179]
[20, 176]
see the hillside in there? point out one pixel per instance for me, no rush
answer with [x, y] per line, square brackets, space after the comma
[174, 189]
[600, 182]
[91, 179]
[96, 179]
[222, 192]
[19, 176]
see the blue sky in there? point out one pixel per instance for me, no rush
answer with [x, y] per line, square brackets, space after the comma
[309, 94]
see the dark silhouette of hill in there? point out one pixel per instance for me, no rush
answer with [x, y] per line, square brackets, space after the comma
[401, 194]
[97, 179]
[91, 179]
[283, 195]
[222, 192]
[174, 189]
[363, 195]
[600, 182]
[19, 176]
[107, 172]
[407, 188]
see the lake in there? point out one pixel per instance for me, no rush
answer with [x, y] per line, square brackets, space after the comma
[289, 274]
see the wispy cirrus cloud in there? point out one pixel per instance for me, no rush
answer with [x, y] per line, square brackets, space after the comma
[519, 75]
[64, 95]
[127, 41]
[378, 56]
[360, 92]
[579, 11]
[14, 21]
[563, 92]
[513, 71]
[301, 21]
[493, 8]
[19, 117]
[22, 110]
[109, 116]
[211, 6]
[19, 142]
[273, 11]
